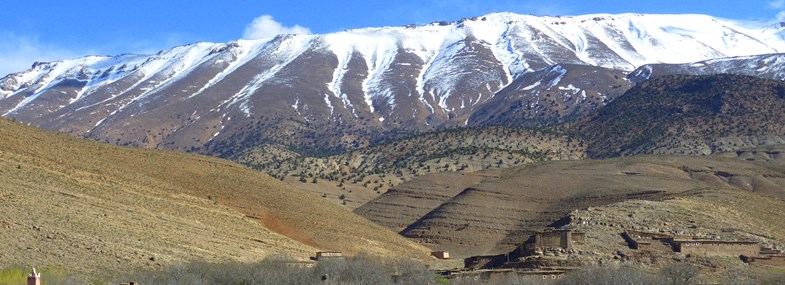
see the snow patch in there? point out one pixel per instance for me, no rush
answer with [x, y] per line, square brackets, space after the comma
[242, 51]
[288, 50]
[530, 87]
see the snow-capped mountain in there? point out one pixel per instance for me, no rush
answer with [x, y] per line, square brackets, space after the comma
[769, 66]
[342, 89]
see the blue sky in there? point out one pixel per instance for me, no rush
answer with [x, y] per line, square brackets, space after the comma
[54, 29]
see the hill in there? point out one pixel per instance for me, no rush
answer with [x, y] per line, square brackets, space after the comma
[360, 175]
[491, 212]
[687, 115]
[89, 208]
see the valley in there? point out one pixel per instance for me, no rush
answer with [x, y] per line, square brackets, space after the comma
[471, 138]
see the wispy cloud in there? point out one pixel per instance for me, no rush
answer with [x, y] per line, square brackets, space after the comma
[778, 5]
[17, 53]
[266, 27]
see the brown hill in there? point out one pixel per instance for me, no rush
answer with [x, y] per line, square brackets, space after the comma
[505, 206]
[90, 207]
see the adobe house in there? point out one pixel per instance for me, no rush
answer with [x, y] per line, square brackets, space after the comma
[771, 260]
[328, 254]
[766, 256]
[441, 254]
[650, 241]
[715, 247]
[555, 238]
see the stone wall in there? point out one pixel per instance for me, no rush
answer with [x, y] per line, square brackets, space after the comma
[716, 248]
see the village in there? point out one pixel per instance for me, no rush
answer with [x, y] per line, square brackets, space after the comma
[545, 254]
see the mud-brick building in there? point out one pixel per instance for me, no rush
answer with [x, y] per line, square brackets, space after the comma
[441, 254]
[770, 260]
[328, 254]
[650, 241]
[715, 247]
[555, 238]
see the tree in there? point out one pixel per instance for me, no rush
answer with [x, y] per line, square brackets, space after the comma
[680, 273]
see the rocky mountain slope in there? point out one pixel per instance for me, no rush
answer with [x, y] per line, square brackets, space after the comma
[332, 92]
[94, 208]
[676, 114]
[688, 115]
[769, 66]
[491, 212]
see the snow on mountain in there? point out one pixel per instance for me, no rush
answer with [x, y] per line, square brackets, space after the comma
[771, 66]
[413, 77]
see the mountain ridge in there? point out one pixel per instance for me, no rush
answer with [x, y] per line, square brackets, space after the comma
[353, 88]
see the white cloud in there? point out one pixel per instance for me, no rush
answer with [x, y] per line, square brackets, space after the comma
[781, 16]
[266, 27]
[17, 53]
[778, 4]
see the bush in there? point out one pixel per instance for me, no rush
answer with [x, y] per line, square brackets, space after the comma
[778, 279]
[611, 276]
[680, 273]
[283, 270]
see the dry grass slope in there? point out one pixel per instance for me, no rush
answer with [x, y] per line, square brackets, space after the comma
[89, 207]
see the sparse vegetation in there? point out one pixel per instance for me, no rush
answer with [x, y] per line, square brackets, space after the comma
[385, 165]
[687, 115]
[283, 270]
[362, 270]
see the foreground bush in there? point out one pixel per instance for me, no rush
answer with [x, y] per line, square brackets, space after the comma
[282, 270]
[374, 270]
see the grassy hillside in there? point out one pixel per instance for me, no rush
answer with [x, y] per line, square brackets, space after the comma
[688, 115]
[90, 207]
